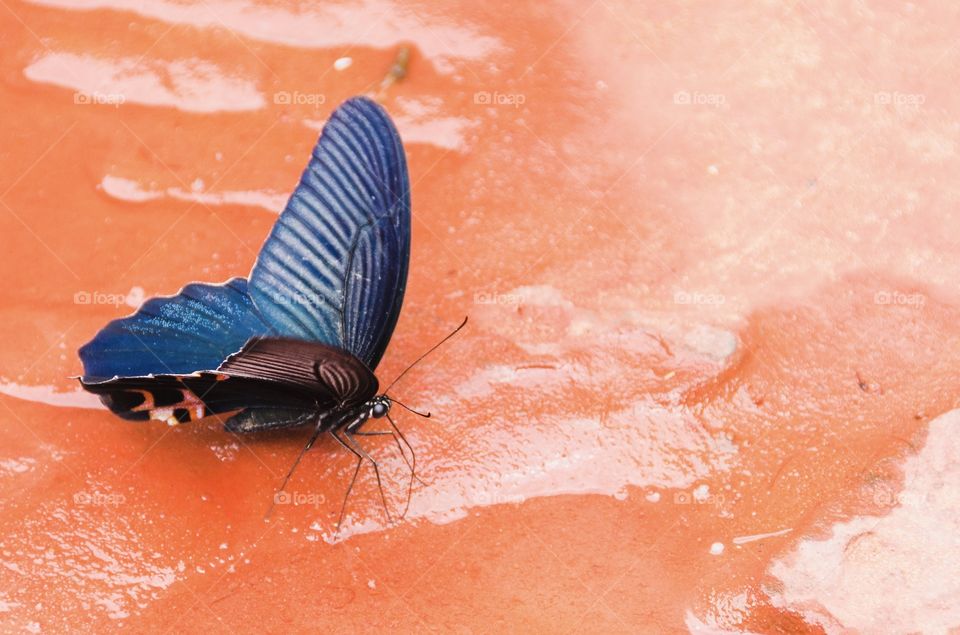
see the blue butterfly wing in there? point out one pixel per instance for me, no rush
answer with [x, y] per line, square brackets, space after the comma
[334, 268]
[194, 330]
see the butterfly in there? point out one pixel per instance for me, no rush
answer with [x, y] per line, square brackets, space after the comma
[297, 341]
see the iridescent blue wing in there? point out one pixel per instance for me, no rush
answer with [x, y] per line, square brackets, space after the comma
[194, 330]
[334, 268]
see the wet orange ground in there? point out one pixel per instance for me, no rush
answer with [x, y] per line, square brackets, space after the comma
[709, 256]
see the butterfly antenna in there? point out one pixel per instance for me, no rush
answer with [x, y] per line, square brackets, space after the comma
[425, 415]
[419, 359]
[278, 495]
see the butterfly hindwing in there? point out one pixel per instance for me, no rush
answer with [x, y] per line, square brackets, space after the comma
[334, 267]
[275, 382]
[182, 398]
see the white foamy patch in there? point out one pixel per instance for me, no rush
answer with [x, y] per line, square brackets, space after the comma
[191, 85]
[50, 396]
[895, 573]
[369, 23]
[713, 342]
[96, 561]
[727, 609]
[342, 63]
[128, 190]
[559, 451]
[645, 445]
[11, 467]
[485, 381]
[541, 295]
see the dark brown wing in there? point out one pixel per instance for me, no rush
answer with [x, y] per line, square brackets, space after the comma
[319, 369]
[274, 382]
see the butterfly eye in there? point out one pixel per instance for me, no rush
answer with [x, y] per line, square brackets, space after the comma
[379, 409]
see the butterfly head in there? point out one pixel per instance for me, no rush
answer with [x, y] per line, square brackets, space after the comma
[378, 407]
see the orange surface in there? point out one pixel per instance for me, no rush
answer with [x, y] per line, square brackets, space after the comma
[708, 253]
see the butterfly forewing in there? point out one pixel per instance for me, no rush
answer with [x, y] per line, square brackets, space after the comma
[334, 268]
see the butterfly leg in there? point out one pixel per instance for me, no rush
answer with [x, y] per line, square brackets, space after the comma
[403, 455]
[412, 465]
[359, 451]
[413, 455]
[306, 448]
[356, 471]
